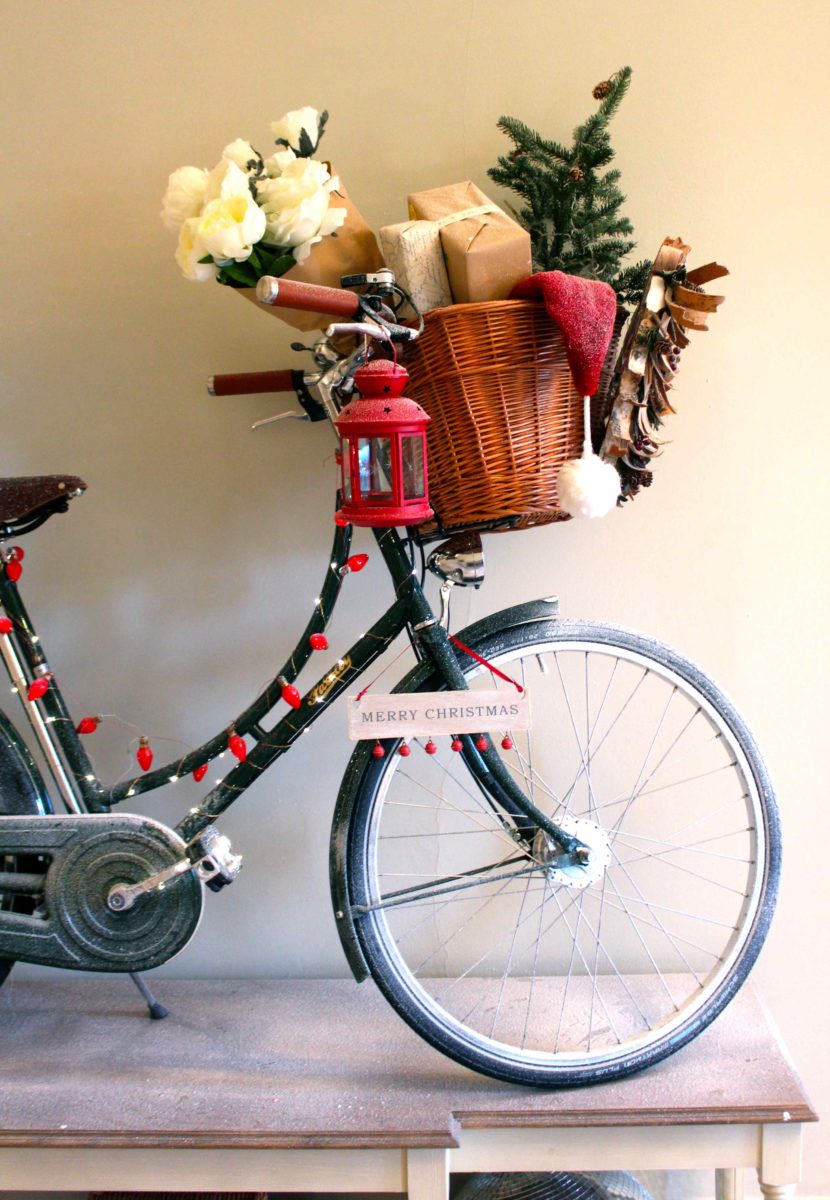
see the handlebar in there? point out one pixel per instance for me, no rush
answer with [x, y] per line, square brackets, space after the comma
[307, 297]
[249, 382]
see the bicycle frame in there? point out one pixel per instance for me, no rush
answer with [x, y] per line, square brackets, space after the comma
[83, 792]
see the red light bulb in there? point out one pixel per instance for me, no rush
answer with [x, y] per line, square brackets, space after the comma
[404, 750]
[357, 562]
[481, 742]
[237, 747]
[144, 755]
[38, 688]
[318, 641]
[200, 772]
[87, 724]
[507, 742]
[13, 570]
[430, 747]
[378, 751]
[5, 625]
[291, 696]
[456, 744]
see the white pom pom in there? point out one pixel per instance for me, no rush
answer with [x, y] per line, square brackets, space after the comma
[587, 486]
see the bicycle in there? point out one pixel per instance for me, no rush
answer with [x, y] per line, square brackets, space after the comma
[556, 907]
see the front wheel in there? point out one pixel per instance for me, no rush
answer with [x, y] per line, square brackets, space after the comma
[555, 976]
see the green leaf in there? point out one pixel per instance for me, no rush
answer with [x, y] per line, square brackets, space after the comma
[279, 264]
[306, 147]
[243, 274]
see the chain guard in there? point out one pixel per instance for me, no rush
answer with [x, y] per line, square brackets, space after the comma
[84, 857]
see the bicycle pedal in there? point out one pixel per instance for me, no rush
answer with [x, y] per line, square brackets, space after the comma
[213, 858]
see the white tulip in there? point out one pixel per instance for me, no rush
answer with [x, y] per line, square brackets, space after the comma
[190, 250]
[229, 227]
[291, 127]
[242, 153]
[185, 196]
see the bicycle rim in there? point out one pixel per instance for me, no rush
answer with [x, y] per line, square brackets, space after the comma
[544, 975]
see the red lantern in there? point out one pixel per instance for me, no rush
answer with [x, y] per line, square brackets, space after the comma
[200, 772]
[318, 641]
[384, 451]
[5, 625]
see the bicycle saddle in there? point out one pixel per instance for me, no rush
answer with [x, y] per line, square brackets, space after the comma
[33, 498]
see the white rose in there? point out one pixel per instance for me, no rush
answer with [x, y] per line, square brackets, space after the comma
[185, 196]
[190, 250]
[296, 205]
[333, 219]
[227, 180]
[294, 124]
[277, 163]
[229, 226]
[241, 152]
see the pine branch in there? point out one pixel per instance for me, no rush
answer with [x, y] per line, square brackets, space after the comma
[571, 202]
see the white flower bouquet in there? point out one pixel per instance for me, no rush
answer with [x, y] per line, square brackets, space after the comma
[251, 216]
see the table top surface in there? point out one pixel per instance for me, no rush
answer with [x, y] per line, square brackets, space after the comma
[304, 1063]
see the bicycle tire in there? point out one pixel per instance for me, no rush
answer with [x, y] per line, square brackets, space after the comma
[22, 793]
[678, 899]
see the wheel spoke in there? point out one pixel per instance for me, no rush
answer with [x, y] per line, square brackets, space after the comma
[535, 968]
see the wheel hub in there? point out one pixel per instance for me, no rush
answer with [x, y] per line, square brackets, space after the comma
[594, 862]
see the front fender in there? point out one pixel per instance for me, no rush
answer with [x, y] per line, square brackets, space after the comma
[420, 678]
[22, 790]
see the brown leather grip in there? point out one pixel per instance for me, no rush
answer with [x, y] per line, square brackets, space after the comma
[308, 297]
[248, 382]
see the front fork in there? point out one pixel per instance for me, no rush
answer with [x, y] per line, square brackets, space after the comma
[486, 766]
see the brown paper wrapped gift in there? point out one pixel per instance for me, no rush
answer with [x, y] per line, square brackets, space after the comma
[352, 250]
[486, 252]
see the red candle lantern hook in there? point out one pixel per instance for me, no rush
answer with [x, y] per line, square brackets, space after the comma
[383, 451]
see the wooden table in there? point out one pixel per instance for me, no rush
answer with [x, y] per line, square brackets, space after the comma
[315, 1085]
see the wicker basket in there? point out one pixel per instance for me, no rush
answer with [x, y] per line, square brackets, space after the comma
[505, 414]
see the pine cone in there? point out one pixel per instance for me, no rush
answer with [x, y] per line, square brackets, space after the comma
[602, 90]
[646, 478]
[576, 173]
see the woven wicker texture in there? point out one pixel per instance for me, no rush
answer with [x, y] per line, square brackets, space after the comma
[505, 413]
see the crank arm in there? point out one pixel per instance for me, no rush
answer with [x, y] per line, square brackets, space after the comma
[212, 860]
[123, 896]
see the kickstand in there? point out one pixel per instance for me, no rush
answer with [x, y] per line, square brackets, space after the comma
[157, 1011]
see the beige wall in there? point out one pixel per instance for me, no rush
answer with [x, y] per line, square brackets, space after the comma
[169, 592]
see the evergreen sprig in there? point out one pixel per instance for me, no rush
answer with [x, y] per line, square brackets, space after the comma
[571, 203]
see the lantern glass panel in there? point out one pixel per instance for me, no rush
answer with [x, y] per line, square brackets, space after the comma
[412, 462]
[346, 458]
[374, 456]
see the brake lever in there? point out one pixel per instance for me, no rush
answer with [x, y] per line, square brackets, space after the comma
[283, 416]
